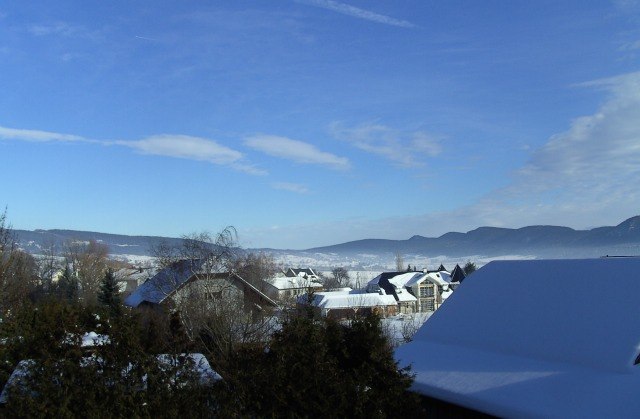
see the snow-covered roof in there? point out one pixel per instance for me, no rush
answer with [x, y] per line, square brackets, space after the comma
[288, 282]
[400, 281]
[353, 299]
[384, 275]
[536, 338]
[404, 296]
[157, 288]
[438, 278]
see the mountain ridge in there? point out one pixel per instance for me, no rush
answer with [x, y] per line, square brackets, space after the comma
[500, 240]
[537, 240]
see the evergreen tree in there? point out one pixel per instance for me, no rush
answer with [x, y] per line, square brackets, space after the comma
[469, 268]
[319, 367]
[68, 285]
[117, 378]
[109, 294]
[179, 341]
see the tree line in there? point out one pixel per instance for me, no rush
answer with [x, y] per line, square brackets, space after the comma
[273, 363]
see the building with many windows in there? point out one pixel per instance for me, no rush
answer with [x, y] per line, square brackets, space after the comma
[414, 291]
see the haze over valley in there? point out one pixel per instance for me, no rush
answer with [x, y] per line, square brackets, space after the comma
[479, 245]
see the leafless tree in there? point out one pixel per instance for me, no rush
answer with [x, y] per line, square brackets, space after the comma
[256, 268]
[89, 263]
[399, 262]
[164, 254]
[7, 239]
[217, 250]
[225, 322]
[18, 271]
[49, 264]
[339, 278]
[410, 326]
[212, 304]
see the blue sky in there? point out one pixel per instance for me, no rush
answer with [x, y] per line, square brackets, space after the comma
[313, 122]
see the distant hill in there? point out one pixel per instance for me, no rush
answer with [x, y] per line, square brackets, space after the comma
[37, 241]
[538, 241]
[542, 241]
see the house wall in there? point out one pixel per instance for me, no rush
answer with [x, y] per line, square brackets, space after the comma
[208, 290]
[429, 296]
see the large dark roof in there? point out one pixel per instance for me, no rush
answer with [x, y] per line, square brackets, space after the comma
[170, 279]
[457, 275]
[388, 275]
[383, 282]
[165, 282]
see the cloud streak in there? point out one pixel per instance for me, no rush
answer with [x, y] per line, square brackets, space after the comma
[357, 12]
[405, 149]
[176, 146]
[185, 147]
[192, 148]
[296, 151]
[57, 28]
[290, 187]
[36, 135]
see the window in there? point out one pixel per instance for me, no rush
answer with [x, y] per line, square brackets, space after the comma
[426, 291]
[429, 305]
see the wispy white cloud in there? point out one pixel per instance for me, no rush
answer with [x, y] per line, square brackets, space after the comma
[56, 28]
[357, 12]
[192, 148]
[405, 149]
[291, 187]
[186, 147]
[176, 146]
[296, 151]
[599, 152]
[36, 135]
[584, 176]
[145, 38]
[630, 46]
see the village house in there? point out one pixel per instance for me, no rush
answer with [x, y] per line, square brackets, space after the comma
[534, 338]
[430, 289]
[415, 291]
[286, 287]
[190, 279]
[392, 283]
[131, 278]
